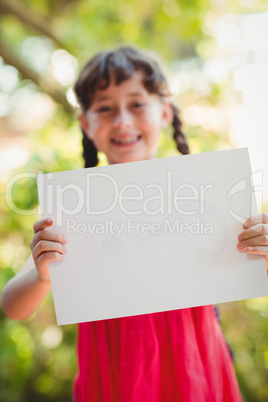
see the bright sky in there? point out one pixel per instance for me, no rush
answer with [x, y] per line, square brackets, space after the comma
[249, 126]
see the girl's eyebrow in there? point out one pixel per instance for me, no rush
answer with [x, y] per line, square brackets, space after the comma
[104, 98]
[135, 93]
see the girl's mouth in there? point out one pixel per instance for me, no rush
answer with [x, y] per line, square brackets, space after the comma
[126, 141]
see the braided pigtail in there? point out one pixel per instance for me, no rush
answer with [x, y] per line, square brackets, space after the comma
[178, 136]
[90, 152]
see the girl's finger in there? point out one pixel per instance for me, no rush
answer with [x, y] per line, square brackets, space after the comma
[261, 240]
[47, 234]
[262, 250]
[254, 220]
[42, 224]
[48, 257]
[44, 246]
[256, 230]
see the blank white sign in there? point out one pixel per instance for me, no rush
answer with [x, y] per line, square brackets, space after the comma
[152, 236]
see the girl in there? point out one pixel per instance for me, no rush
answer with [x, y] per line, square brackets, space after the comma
[170, 356]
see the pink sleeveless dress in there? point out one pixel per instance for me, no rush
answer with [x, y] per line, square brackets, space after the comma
[172, 356]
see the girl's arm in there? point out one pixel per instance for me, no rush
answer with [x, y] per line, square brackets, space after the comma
[23, 293]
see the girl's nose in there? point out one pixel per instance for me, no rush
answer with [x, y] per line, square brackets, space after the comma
[123, 119]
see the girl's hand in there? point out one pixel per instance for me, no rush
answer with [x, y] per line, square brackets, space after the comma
[254, 239]
[47, 246]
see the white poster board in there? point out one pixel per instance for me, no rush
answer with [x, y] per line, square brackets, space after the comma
[152, 236]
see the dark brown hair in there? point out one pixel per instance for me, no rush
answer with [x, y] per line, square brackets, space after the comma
[122, 63]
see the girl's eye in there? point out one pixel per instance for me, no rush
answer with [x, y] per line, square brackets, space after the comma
[104, 109]
[138, 105]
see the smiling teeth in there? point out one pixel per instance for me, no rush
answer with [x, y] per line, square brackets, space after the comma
[125, 140]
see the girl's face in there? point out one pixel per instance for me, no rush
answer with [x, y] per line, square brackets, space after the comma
[124, 121]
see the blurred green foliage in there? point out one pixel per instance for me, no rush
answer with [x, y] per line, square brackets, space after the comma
[38, 359]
